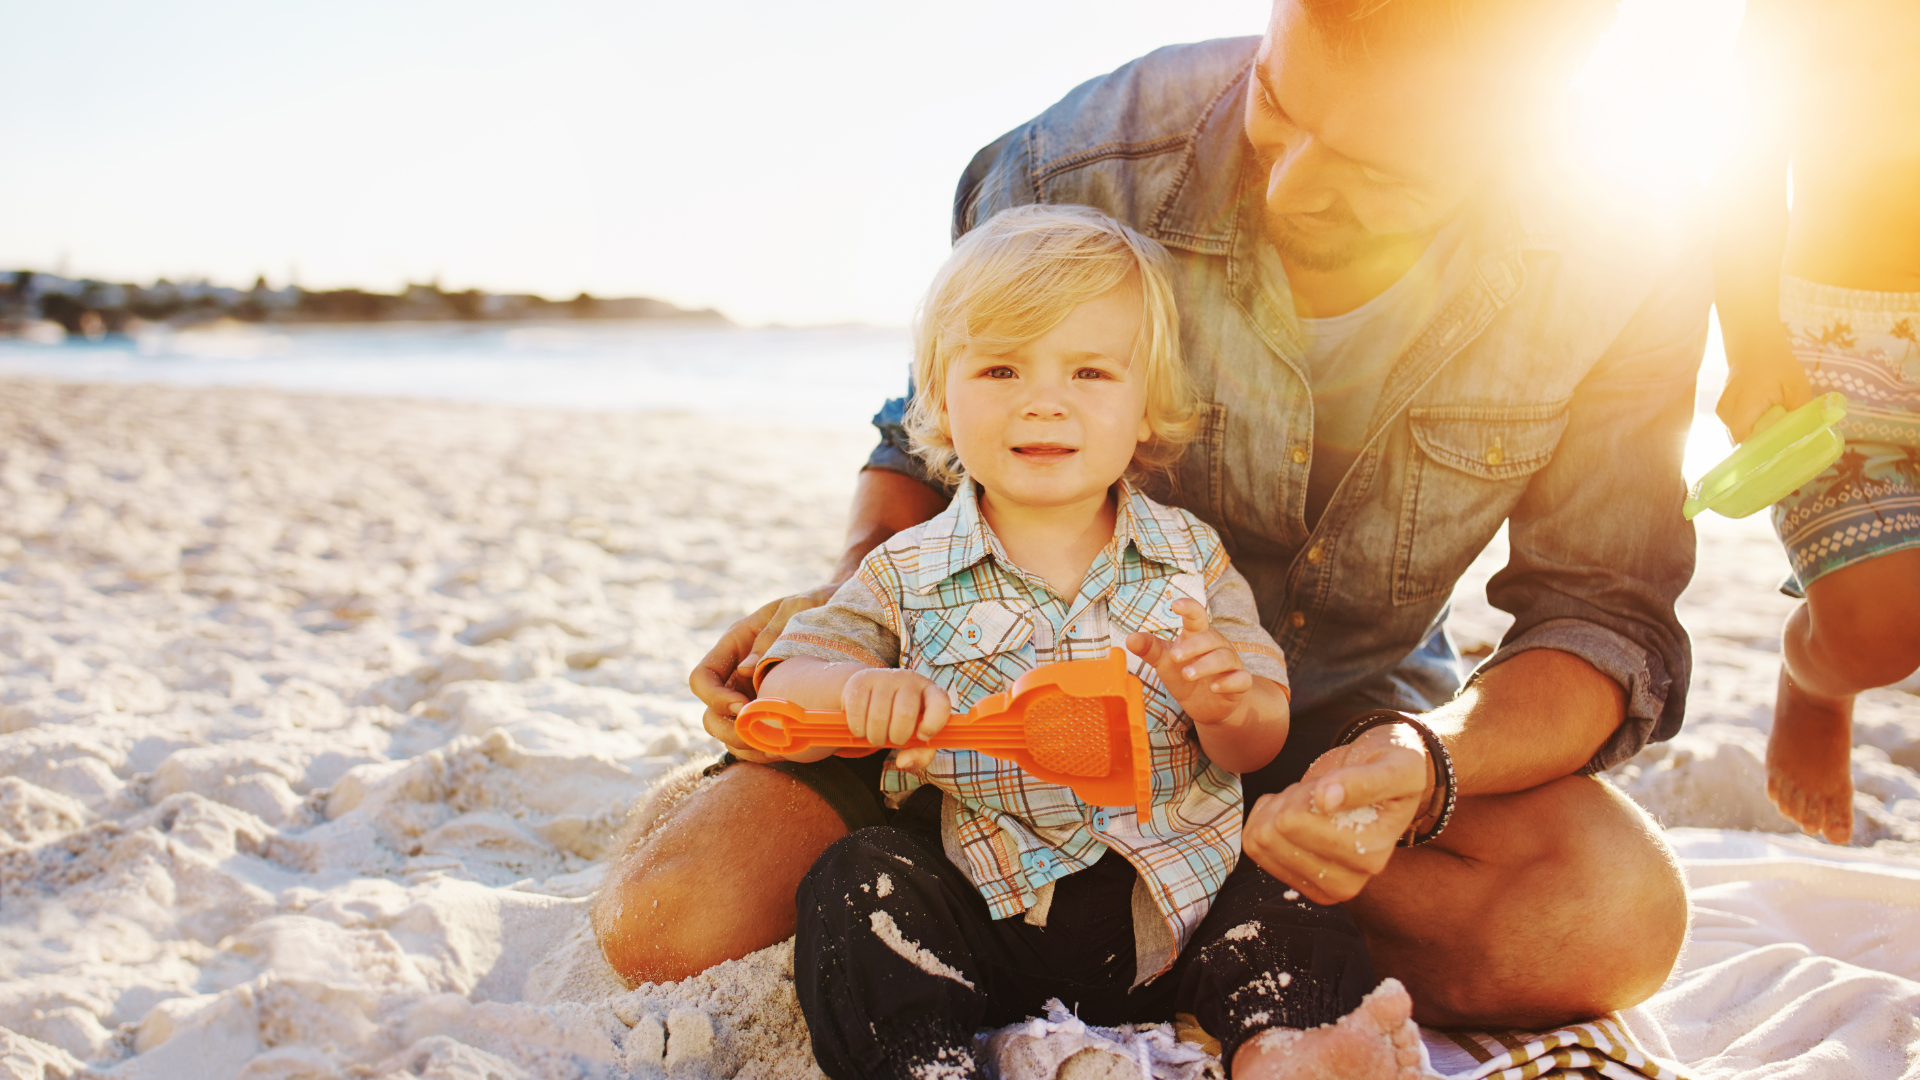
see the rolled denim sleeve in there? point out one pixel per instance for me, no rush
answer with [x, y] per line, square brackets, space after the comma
[1600, 550]
[894, 453]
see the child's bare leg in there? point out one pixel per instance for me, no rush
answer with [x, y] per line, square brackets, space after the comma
[1860, 628]
[1377, 1041]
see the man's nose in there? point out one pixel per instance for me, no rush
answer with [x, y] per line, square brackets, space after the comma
[1299, 181]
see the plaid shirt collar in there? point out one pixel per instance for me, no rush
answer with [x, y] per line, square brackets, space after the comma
[958, 538]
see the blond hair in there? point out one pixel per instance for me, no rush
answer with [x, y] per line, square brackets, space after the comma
[1018, 275]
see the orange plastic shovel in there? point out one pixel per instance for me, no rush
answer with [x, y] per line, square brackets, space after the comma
[1079, 723]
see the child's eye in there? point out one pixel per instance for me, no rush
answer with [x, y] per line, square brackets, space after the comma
[1000, 372]
[1091, 373]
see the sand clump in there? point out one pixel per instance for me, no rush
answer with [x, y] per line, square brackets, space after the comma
[319, 717]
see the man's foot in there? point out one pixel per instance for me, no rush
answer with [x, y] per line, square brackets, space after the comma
[1810, 761]
[1377, 1041]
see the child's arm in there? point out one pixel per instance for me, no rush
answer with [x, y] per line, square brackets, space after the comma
[884, 706]
[1749, 240]
[1240, 718]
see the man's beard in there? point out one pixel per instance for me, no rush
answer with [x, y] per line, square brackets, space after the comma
[1325, 254]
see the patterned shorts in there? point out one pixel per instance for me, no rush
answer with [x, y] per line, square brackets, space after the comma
[1866, 345]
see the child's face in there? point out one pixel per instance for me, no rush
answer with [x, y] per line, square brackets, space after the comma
[1055, 421]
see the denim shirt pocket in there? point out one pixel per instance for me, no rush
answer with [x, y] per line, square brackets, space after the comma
[1470, 466]
[976, 649]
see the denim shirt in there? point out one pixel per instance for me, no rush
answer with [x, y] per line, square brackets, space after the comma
[1551, 391]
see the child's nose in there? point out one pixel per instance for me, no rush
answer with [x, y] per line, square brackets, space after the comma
[1046, 401]
[1044, 404]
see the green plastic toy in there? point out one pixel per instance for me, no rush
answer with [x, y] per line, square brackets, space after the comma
[1786, 450]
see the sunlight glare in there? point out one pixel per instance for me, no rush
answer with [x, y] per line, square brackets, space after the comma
[1653, 106]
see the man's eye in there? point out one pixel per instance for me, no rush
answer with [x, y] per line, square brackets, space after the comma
[1265, 103]
[1380, 179]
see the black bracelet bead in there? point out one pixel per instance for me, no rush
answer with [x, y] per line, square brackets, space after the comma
[1443, 779]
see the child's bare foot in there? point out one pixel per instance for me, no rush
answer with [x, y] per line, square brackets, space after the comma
[1810, 761]
[1377, 1041]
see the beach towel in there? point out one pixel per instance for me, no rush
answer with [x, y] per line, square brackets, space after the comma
[1597, 1048]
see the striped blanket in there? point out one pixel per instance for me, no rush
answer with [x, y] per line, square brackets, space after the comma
[1594, 1049]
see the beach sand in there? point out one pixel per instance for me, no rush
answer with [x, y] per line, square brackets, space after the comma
[318, 716]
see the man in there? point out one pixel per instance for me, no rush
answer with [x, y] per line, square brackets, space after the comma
[1407, 332]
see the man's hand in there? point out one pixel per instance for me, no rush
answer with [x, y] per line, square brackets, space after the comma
[1316, 836]
[1200, 668]
[723, 679]
[1765, 376]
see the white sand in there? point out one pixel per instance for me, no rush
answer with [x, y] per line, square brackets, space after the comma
[317, 717]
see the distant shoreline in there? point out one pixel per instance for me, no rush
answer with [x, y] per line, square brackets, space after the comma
[49, 308]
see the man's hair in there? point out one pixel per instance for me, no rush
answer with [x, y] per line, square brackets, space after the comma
[1020, 274]
[1352, 27]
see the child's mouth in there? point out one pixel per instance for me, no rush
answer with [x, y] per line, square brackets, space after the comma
[1045, 452]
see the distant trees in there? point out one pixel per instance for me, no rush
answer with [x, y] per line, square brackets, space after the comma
[90, 308]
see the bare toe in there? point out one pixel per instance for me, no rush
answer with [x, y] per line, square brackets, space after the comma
[1391, 1009]
[1839, 823]
[1388, 1006]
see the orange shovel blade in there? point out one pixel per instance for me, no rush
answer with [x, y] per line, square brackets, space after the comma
[1078, 723]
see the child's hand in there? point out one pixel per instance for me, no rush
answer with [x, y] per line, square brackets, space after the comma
[890, 707]
[1762, 378]
[1200, 668]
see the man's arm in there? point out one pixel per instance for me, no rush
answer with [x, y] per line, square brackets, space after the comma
[1492, 732]
[884, 502]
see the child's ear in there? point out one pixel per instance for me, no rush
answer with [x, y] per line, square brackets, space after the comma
[1146, 430]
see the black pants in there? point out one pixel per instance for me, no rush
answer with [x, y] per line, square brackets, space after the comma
[898, 961]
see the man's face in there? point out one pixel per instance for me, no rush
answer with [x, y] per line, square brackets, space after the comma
[1366, 151]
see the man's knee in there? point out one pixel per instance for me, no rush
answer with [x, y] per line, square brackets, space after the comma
[1639, 910]
[1624, 901]
[712, 879]
[1573, 906]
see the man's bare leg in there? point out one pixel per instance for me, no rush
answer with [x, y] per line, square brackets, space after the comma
[1377, 1041]
[1860, 628]
[1537, 908]
[712, 876]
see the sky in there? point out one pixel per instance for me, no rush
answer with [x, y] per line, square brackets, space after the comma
[783, 162]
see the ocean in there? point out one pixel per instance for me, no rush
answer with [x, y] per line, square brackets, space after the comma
[831, 376]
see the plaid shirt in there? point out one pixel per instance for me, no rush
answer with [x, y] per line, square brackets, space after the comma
[944, 600]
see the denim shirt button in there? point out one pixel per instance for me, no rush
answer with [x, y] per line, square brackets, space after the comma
[1299, 454]
[1298, 619]
[1315, 554]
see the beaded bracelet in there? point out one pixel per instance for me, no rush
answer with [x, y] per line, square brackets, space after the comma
[1443, 780]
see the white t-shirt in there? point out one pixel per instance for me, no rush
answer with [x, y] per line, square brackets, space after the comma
[1347, 358]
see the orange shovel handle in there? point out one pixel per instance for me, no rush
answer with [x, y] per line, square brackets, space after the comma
[773, 726]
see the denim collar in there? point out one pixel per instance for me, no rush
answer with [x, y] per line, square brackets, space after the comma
[958, 538]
